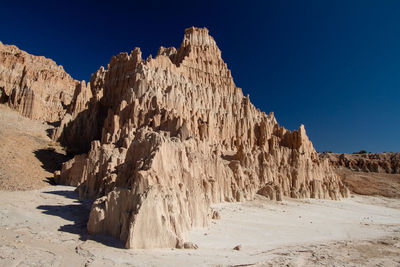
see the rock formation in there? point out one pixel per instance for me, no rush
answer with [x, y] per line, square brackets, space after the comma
[35, 86]
[163, 138]
[374, 174]
[367, 162]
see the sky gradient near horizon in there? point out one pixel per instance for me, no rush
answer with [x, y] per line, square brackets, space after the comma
[333, 66]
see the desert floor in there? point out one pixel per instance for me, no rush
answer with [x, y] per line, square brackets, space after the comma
[45, 225]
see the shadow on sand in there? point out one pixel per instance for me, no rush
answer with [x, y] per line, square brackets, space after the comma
[78, 214]
[51, 159]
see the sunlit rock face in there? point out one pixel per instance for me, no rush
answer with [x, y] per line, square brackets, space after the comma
[366, 162]
[167, 136]
[34, 85]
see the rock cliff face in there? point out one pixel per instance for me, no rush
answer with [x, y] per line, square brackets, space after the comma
[35, 86]
[167, 136]
[368, 162]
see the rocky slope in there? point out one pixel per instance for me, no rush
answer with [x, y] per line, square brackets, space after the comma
[369, 173]
[35, 86]
[368, 162]
[28, 156]
[163, 138]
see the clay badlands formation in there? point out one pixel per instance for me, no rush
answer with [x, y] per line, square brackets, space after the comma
[35, 86]
[158, 140]
[369, 173]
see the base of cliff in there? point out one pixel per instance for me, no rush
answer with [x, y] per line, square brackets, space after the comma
[28, 156]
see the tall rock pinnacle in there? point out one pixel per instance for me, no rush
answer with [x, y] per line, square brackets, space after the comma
[164, 138]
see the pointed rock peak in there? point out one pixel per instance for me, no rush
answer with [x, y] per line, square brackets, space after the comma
[199, 51]
[168, 52]
[198, 37]
[136, 52]
[302, 130]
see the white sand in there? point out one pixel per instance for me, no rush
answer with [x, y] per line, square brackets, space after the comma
[47, 227]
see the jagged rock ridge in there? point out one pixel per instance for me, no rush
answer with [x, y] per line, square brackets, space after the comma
[34, 85]
[368, 162]
[168, 136]
[376, 174]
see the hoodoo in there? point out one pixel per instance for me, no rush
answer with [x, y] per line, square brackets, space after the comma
[162, 139]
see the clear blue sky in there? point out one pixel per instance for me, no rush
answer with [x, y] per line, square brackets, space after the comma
[332, 65]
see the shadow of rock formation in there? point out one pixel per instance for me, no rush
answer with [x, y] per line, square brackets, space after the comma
[78, 214]
[52, 126]
[76, 134]
[51, 159]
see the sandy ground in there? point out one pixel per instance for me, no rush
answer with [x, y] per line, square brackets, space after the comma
[28, 157]
[47, 227]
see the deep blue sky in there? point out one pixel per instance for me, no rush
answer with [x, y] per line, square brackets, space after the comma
[332, 65]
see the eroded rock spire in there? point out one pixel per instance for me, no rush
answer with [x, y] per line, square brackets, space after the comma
[168, 136]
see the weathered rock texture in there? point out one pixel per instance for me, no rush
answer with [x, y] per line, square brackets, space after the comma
[168, 136]
[368, 162]
[35, 86]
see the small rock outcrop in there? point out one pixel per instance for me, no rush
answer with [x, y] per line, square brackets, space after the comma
[163, 138]
[34, 85]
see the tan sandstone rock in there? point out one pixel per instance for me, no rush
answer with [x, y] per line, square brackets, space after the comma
[34, 85]
[168, 136]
